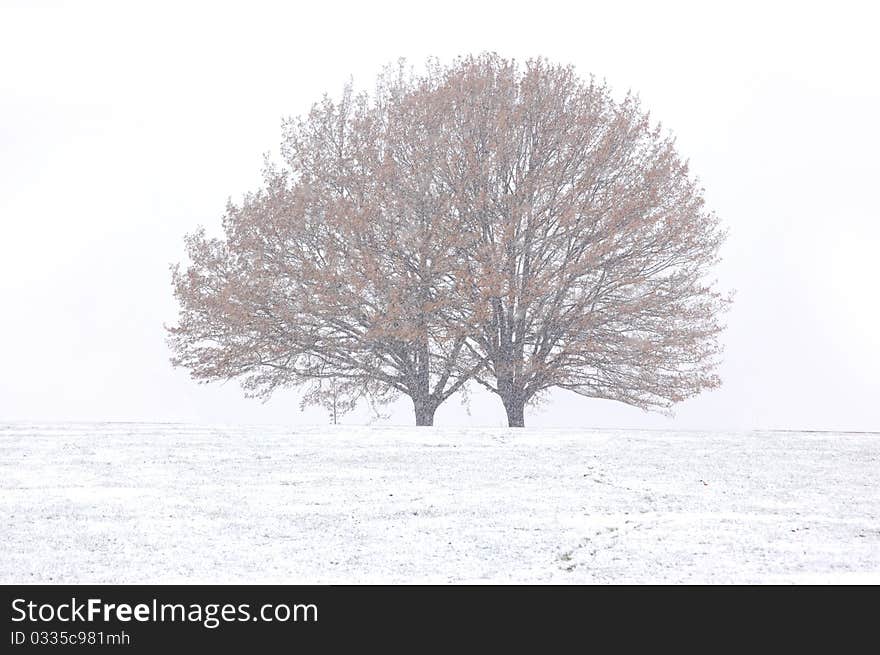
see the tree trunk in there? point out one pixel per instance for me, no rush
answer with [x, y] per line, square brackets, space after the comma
[515, 408]
[423, 402]
[424, 411]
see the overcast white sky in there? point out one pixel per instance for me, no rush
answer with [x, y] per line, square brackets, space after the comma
[124, 126]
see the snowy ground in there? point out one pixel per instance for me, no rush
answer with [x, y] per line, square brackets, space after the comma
[165, 503]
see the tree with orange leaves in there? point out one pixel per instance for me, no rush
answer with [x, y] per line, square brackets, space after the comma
[342, 267]
[511, 225]
[591, 245]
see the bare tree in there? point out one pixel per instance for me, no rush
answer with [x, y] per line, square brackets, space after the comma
[338, 397]
[486, 221]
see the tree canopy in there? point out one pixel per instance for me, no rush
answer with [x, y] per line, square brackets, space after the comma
[506, 224]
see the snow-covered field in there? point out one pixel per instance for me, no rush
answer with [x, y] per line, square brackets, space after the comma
[126, 503]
